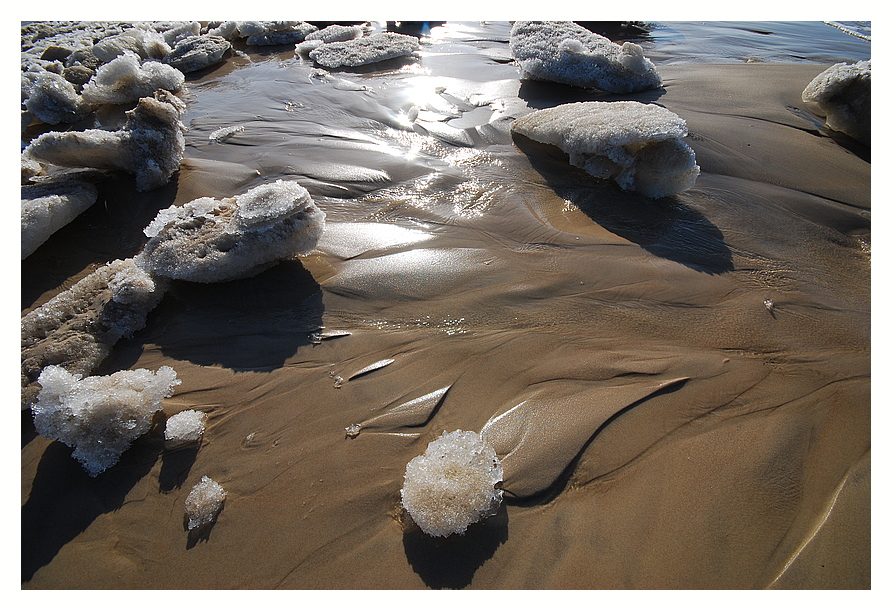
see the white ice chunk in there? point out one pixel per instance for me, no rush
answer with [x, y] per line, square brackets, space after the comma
[54, 100]
[842, 95]
[184, 428]
[99, 416]
[565, 52]
[637, 145]
[452, 484]
[367, 50]
[48, 207]
[197, 52]
[204, 502]
[219, 135]
[336, 33]
[270, 33]
[126, 79]
[146, 43]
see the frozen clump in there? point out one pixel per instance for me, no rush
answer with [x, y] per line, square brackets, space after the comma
[146, 43]
[54, 100]
[204, 503]
[174, 31]
[48, 207]
[564, 52]
[185, 428]
[842, 95]
[268, 33]
[452, 484]
[126, 79]
[99, 416]
[210, 240]
[224, 29]
[219, 135]
[197, 52]
[336, 33]
[367, 50]
[150, 145]
[637, 145]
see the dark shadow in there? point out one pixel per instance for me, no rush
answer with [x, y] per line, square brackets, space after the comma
[547, 94]
[665, 227]
[28, 431]
[450, 562]
[622, 31]
[383, 66]
[175, 467]
[413, 28]
[199, 533]
[64, 500]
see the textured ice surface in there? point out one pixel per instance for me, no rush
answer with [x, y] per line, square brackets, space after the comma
[565, 52]
[219, 135]
[184, 428]
[204, 503]
[209, 240]
[197, 52]
[367, 50]
[99, 416]
[452, 484]
[336, 33]
[146, 43]
[48, 207]
[150, 145]
[275, 32]
[637, 145]
[842, 94]
[53, 100]
[126, 79]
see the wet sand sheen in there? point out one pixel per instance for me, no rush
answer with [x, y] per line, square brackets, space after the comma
[663, 427]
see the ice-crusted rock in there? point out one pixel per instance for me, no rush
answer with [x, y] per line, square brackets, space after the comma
[77, 328]
[204, 503]
[99, 416]
[197, 52]
[452, 484]
[268, 33]
[336, 33]
[184, 428]
[54, 100]
[637, 145]
[564, 52]
[842, 95]
[366, 50]
[48, 207]
[173, 31]
[150, 145]
[210, 240]
[146, 43]
[126, 79]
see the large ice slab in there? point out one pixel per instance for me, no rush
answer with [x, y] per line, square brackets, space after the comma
[362, 51]
[197, 52]
[48, 207]
[842, 94]
[126, 79]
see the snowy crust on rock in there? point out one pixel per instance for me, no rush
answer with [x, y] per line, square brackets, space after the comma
[565, 52]
[452, 484]
[210, 240]
[99, 416]
[842, 94]
[126, 79]
[637, 145]
[367, 50]
[197, 52]
[48, 207]
[204, 502]
[185, 428]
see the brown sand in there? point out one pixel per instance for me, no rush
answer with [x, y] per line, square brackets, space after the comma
[668, 430]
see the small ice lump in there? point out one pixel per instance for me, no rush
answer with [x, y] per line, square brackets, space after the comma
[204, 502]
[842, 95]
[452, 484]
[184, 428]
[362, 51]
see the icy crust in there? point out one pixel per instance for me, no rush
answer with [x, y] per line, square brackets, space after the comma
[565, 52]
[99, 416]
[367, 50]
[204, 503]
[77, 328]
[48, 207]
[639, 146]
[185, 428]
[262, 32]
[336, 33]
[126, 79]
[197, 52]
[210, 240]
[452, 484]
[842, 94]
[150, 145]
[52, 99]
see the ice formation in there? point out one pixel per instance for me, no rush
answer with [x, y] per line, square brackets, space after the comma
[210, 240]
[184, 428]
[565, 52]
[146, 43]
[126, 79]
[197, 52]
[48, 207]
[53, 100]
[150, 145]
[219, 135]
[99, 416]
[336, 33]
[77, 328]
[842, 95]
[204, 502]
[637, 145]
[274, 32]
[367, 50]
[452, 484]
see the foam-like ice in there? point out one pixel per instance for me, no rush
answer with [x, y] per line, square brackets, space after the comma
[452, 484]
[146, 43]
[126, 79]
[53, 100]
[637, 145]
[197, 52]
[48, 207]
[842, 95]
[204, 502]
[219, 135]
[565, 52]
[367, 50]
[99, 416]
[150, 145]
[184, 428]
[209, 240]
[336, 33]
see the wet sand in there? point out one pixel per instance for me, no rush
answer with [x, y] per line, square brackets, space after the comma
[668, 429]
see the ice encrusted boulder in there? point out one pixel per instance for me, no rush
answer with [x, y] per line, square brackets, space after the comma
[126, 79]
[842, 94]
[204, 503]
[564, 52]
[197, 52]
[48, 207]
[268, 33]
[366, 50]
[99, 416]
[146, 43]
[639, 146]
[150, 145]
[452, 485]
[53, 100]
[184, 428]
[336, 33]
[211, 240]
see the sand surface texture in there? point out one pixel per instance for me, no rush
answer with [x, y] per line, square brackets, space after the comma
[660, 424]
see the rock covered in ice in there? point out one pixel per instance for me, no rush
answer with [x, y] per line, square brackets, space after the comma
[268, 33]
[197, 52]
[452, 484]
[842, 95]
[53, 100]
[146, 43]
[565, 52]
[126, 79]
[210, 240]
[99, 416]
[48, 207]
[336, 33]
[637, 145]
[204, 503]
[366, 50]
[150, 145]
[174, 31]
[184, 428]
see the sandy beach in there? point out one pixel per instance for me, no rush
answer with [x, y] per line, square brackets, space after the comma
[690, 376]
